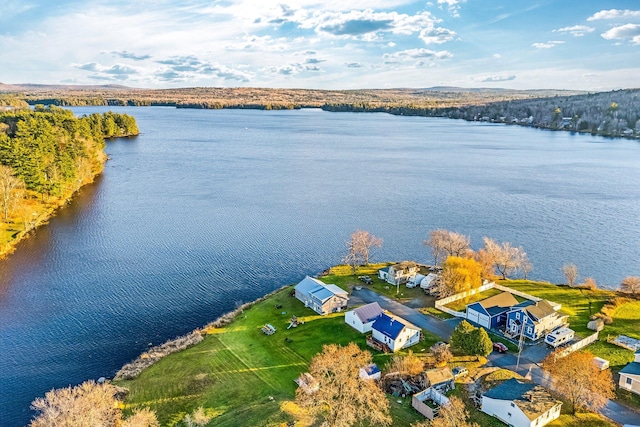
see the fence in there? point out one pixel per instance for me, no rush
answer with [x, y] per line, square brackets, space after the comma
[578, 345]
[418, 399]
[440, 304]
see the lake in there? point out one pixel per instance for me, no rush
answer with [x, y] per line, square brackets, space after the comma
[207, 209]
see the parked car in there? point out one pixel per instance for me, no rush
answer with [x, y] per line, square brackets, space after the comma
[459, 372]
[366, 279]
[499, 347]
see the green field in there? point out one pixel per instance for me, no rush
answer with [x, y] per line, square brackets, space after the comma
[239, 373]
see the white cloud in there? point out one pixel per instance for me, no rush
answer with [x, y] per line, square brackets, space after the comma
[421, 56]
[453, 6]
[614, 14]
[497, 55]
[547, 45]
[437, 35]
[494, 78]
[358, 23]
[576, 30]
[621, 32]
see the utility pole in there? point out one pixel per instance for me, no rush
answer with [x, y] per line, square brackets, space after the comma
[521, 342]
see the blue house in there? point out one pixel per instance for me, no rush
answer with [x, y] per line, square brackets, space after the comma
[538, 318]
[491, 313]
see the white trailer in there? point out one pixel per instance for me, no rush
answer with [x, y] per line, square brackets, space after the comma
[559, 337]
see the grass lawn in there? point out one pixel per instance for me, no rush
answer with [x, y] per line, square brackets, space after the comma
[575, 303]
[238, 373]
[342, 275]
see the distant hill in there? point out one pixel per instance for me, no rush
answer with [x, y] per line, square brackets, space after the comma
[28, 87]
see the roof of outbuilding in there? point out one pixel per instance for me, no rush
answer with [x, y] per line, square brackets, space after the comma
[632, 368]
[439, 375]
[368, 312]
[532, 399]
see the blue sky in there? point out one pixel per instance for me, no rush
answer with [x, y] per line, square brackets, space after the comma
[323, 44]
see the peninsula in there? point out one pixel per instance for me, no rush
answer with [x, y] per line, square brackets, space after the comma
[46, 155]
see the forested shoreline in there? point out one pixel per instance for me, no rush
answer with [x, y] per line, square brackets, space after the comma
[613, 113]
[46, 155]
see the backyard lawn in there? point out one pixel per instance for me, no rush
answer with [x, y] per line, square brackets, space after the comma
[239, 373]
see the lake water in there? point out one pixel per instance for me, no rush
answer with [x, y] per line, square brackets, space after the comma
[210, 208]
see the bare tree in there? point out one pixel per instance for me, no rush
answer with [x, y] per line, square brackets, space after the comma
[359, 248]
[446, 243]
[406, 365]
[86, 405]
[590, 283]
[11, 190]
[630, 285]
[507, 259]
[454, 414]
[343, 398]
[570, 273]
[144, 417]
[441, 353]
[579, 380]
[526, 268]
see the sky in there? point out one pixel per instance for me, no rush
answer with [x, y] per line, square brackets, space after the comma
[323, 44]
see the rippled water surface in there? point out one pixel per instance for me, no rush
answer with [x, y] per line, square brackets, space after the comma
[207, 209]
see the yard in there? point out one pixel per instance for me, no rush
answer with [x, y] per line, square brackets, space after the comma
[342, 275]
[579, 304]
[238, 372]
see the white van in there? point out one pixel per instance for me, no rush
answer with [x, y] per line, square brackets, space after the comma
[559, 337]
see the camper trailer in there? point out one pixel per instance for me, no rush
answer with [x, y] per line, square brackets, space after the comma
[559, 337]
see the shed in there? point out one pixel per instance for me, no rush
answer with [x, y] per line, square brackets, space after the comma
[596, 325]
[601, 363]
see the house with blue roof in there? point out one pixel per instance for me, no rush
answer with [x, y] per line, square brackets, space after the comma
[394, 332]
[491, 313]
[630, 375]
[320, 297]
[521, 404]
[536, 317]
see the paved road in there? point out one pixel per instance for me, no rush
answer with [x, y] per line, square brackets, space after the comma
[442, 328]
[527, 368]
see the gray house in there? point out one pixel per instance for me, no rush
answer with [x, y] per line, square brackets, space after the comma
[320, 297]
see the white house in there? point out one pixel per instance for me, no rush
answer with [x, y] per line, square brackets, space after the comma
[521, 404]
[400, 273]
[320, 297]
[362, 318]
[630, 375]
[394, 332]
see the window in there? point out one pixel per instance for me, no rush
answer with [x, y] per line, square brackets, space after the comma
[513, 405]
[518, 315]
[529, 330]
[509, 413]
[629, 380]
